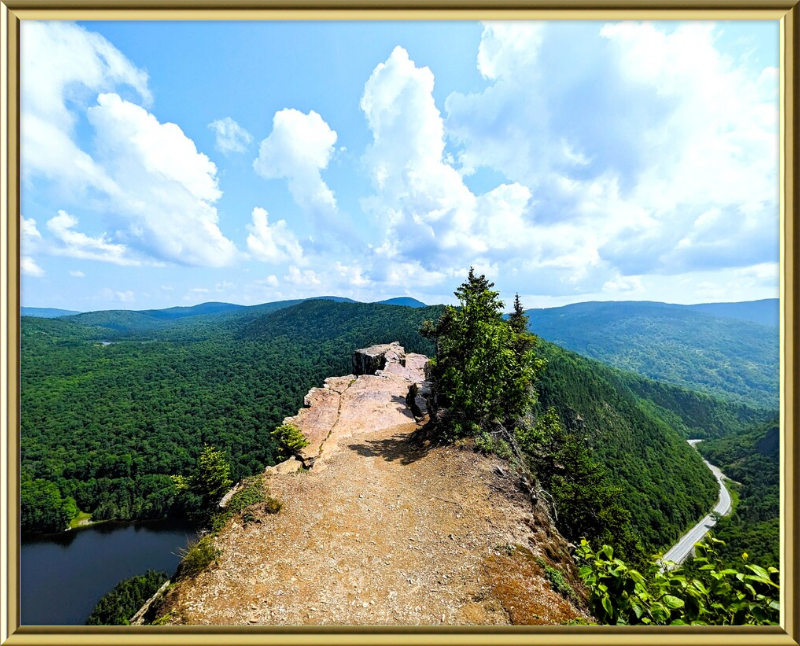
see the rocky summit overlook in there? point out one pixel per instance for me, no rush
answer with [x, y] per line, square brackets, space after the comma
[381, 527]
[371, 399]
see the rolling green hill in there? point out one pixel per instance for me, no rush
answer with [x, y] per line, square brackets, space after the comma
[45, 312]
[725, 357]
[765, 312]
[752, 459]
[403, 300]
[107, 424]
[197, 317]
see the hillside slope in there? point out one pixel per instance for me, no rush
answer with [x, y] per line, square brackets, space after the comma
[663, 481]
[725, 357]
[108, 425]
[384, 529]
[764, 312]
[751, 459]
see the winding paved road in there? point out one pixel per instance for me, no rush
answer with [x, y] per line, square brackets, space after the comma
[683, 547]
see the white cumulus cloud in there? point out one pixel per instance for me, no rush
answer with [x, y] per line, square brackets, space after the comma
[29, 267]
[29, 230]
[275, 243]
[303, 278]
[165, 189]
[157, 191]
[231, 137]
[298, 148]
[75, 244]
[675, 131]
[62, 65]
[434, 222]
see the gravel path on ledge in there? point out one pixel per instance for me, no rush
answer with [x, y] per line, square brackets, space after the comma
[389, 533]
[383, 530]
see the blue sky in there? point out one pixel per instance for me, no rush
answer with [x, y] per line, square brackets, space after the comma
[177, 163]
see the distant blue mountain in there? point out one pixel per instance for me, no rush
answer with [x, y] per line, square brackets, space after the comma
[46, 312]
[194, 310]
[678, 344]
[765, 312]
[407, 301]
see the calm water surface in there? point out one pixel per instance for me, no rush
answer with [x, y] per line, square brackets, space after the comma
[64, 576]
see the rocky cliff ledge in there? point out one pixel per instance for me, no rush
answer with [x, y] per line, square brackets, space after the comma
[385, 528]
[371, 399]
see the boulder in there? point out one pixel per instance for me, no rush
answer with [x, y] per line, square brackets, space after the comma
[367, 361]
[292, 465]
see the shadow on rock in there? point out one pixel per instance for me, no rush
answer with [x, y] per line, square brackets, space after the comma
[403, 448]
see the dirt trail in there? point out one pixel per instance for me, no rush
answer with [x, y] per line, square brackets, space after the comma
[382, 530]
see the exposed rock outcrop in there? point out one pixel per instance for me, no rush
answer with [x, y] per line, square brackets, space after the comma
[385, 528]
[373, 398]
[367, 361]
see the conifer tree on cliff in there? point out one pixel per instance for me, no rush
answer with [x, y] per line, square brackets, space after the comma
[485, 367]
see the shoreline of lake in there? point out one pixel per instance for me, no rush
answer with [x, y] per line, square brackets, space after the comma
[64, 575]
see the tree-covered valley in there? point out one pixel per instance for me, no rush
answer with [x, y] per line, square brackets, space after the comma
[731, 356]
[112, 407]
[751, 459]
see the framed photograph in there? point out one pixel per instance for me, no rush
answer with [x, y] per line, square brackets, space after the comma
[412, 324]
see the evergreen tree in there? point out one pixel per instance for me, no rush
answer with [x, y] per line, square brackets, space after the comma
[485, 367]
[210, 479]
[518, 320]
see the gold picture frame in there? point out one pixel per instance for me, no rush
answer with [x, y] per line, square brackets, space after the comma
[13, 11]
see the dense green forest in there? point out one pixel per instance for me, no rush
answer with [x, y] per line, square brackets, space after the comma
[107, 425]
[126, 598]
[664, 484]
[726, 357]
[694, 414]
[751, 459]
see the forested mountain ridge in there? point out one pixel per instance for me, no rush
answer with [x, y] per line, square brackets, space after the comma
[691, 413]
[108, 424]
[725, 357]
[664, 484]
[138, 321]
[713, 348]
[752, 460]
[765, 311]
[46, 312]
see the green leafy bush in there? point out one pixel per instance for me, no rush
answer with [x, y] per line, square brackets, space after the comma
[557, 580]
[272, 505]
[289, 440]
[250, 493]
[706, 593]
[198, 557]
[164, 620]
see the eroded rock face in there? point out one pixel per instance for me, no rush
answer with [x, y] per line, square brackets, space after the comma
[367, 361]
[383, 529]
[375, 397]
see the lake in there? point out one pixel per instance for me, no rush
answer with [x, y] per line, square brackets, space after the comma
[64, 576]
